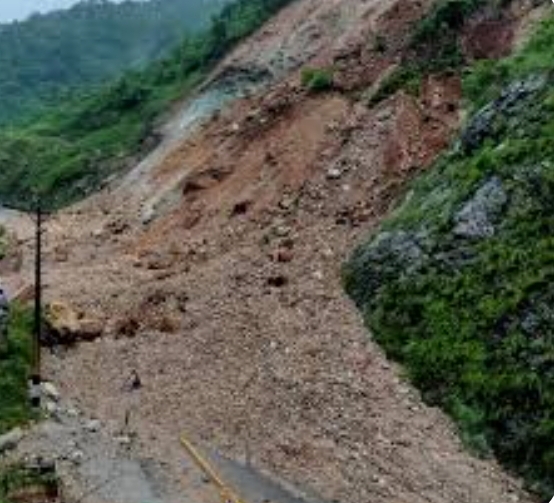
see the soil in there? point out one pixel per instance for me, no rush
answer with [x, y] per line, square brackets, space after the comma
[218, 280]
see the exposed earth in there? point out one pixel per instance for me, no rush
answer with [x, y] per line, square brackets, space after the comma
[214, 272]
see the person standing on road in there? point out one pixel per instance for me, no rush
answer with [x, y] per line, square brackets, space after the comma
[4, 317]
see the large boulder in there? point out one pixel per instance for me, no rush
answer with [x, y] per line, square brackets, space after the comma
[65, 325]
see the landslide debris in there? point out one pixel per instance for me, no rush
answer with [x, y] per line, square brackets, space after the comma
[228, 301]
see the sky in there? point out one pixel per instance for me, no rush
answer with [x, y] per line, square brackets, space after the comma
[11, 10]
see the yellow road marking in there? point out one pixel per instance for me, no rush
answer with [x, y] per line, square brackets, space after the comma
[227, 495]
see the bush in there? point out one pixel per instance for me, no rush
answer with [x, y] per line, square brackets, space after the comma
[17, 480]
[317, 79]
[404, 77]
[448, 16]
[15, 360]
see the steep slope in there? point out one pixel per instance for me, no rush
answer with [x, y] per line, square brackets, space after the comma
[458, 282]
[228, 301]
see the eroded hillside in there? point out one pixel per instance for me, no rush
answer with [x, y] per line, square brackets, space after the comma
[227, 300]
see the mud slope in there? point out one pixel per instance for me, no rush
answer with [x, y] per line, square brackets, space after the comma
[228, 301]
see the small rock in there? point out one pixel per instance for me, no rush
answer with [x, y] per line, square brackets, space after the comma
[278, 281]
[283, 255]
[282, 231]
[334, 174]
[10, 440]
[76, 457]
[50, 391]
[93, 426]
[72, 412]
[124, 440]
[51, 407]
[318, 275]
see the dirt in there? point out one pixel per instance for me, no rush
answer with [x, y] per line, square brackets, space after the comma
[227, 300]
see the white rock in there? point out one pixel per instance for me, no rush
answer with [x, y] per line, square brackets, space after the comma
[50, 407]
[124, 440]
[318, 275]
[50, 391]
[93, 426]
[72, 412]
[334, 173]
[76, 457]
[10, 440]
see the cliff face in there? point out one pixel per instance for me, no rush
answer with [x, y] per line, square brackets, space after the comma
[227, 299]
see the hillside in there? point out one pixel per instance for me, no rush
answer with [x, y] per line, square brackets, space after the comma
[214, 269]
[458, 283]
[69, 151]
[49, 57]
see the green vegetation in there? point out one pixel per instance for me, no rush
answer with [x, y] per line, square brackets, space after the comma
[68, 153]
[458, 284]
[405, 77]
[47, 57]
[35, 483]
[444, 21]
[15, 360]
[317, 79]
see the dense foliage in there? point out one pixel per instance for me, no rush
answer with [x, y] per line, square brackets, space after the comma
[15, 358]
[459, 283]
[48, 56]
[68, 153]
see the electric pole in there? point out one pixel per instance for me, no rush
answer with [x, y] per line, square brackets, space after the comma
[35, 373]
[37, 332]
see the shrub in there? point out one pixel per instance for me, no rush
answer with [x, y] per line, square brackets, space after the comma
[15, 362]
[317, 79]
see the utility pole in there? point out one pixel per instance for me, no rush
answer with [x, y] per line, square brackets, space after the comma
[35, 375]
[34, 392]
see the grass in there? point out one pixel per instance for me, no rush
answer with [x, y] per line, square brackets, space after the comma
[15, 360]
[472, 319]
[317, 79]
